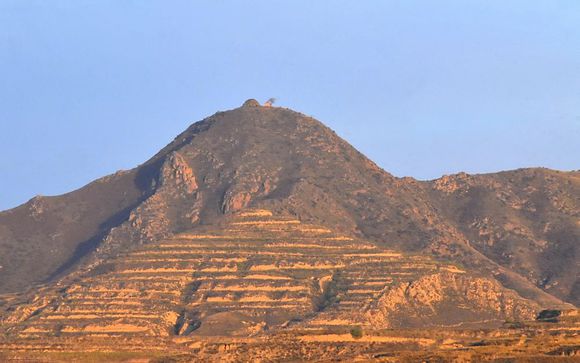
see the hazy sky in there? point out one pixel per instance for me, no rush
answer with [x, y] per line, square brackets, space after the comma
[424, 88]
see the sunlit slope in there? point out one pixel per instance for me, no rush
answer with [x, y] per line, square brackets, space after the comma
[254, 274]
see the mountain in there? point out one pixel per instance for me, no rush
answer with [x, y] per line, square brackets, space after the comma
[262, 218]
[525, 220]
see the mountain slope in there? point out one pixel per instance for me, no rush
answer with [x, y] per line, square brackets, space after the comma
[526, 220]
[49, 234]
[255, 273]
[291, 164]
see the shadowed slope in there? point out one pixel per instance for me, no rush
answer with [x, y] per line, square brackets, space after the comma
[50, 234]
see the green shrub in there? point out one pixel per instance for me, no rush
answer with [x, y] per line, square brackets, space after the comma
[356, 332]
[549, 316]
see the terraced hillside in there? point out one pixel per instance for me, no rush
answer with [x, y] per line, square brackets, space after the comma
[254, 274]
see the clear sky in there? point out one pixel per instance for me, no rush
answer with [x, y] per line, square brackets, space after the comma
[424, 88]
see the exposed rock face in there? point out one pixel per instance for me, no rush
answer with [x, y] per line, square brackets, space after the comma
[236, 201]
[177, 176]
[173, 207]
[448, 299]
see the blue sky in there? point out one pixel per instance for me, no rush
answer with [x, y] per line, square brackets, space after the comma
[424, 88]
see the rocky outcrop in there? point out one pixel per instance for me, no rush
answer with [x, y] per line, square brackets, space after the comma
[448, 299]
[173, 206]
[177, 176]
[236, 201]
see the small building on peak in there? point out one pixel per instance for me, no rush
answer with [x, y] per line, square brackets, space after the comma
[251, 103]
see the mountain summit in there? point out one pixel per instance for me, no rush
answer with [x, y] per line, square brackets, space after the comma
[268, 207]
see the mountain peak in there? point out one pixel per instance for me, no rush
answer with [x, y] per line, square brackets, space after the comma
[255, 126]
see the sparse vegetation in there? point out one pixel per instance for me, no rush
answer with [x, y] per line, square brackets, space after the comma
[550, 316]
[243, 268]
[513, 324]
[330, 293]
[357, 332]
